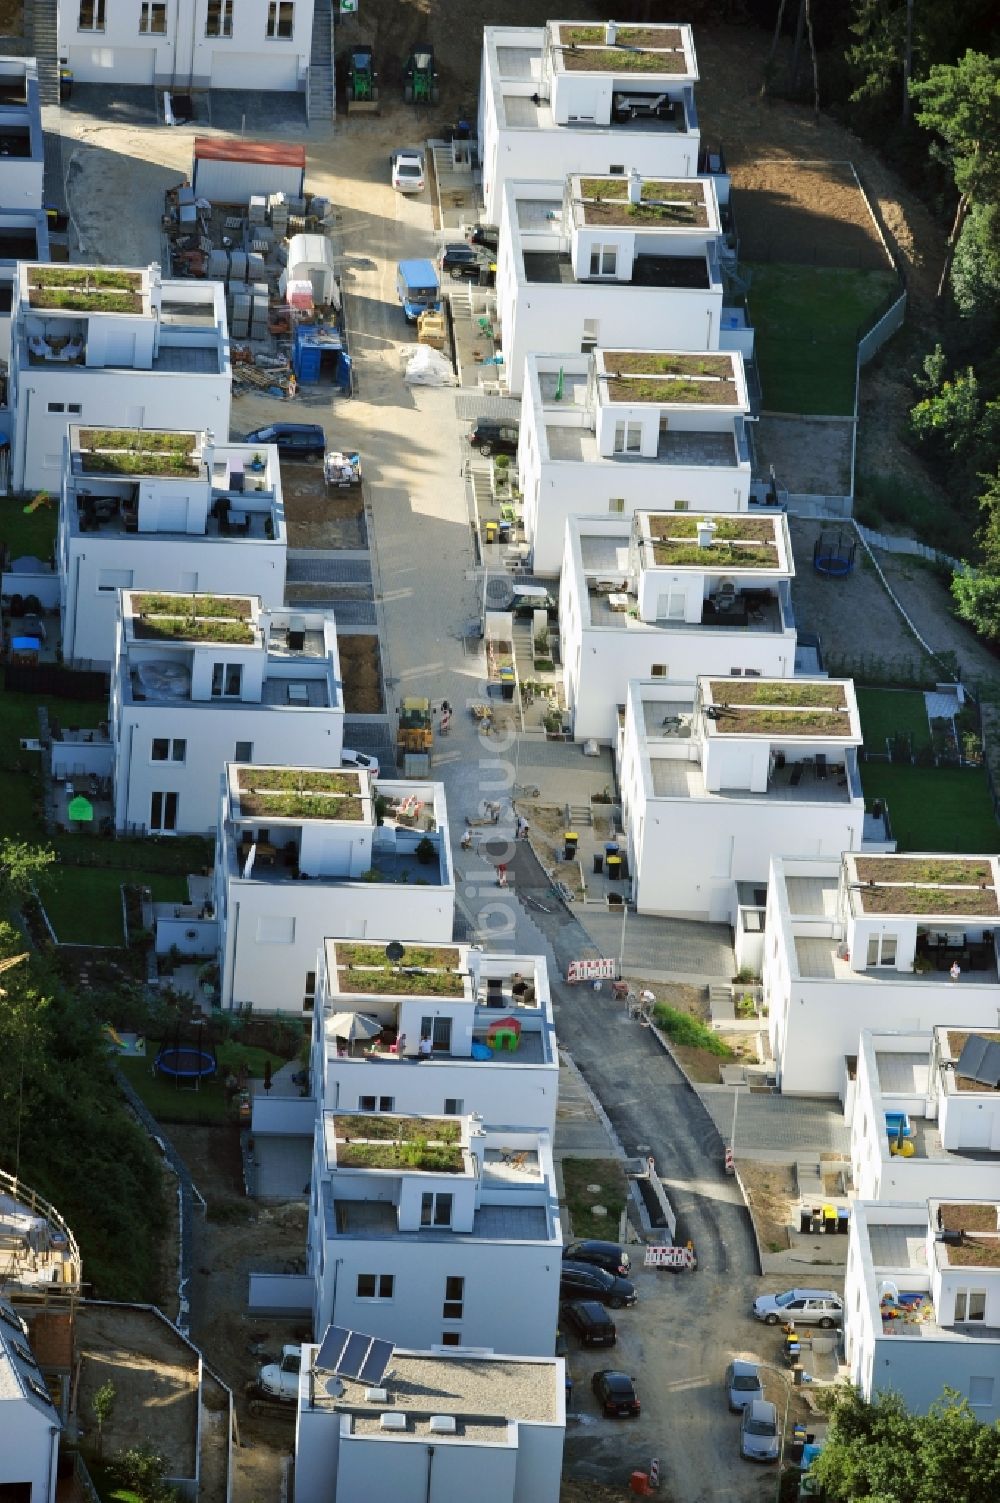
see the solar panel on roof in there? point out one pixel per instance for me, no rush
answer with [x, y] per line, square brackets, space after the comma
[354, 1354]
[980, 1061]
[39, 1389]
[331, 1347]
[375, 1364]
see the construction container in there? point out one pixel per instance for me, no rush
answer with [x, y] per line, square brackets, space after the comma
[230, 171]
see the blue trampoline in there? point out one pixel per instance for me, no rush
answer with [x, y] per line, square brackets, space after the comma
[184, 1062]
[833, 554]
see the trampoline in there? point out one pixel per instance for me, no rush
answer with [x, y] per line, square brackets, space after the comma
[833, 554]
[185, 1062]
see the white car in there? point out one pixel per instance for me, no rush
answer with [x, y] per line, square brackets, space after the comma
[281, 1379]
[408, 170]
[359, 759]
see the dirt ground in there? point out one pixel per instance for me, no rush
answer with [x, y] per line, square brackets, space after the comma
[156, 1383]
[361, 667]
[316, 517]
[809, 458]
[813, 215]
[772, 1198]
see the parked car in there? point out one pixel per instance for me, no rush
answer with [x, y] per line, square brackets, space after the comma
[743, 1385]
[461, 260]
[759, 1439]
[350, 758]
[586, 1281]
[606, 1255]
[294, 440]
[486, 235]
[807, 1307]
[491, 437]
[615, 1392]
[408, 170]
[281, 1379]
[591, 1322]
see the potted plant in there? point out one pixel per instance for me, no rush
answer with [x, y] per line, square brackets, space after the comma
[426, 852]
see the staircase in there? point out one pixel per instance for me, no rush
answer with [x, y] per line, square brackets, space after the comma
[523, 652]
[482, 486]
[319, 105]
[46, 32]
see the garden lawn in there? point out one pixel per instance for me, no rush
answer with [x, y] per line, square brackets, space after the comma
[34, 534]
[887, 712]
[613, 1188]
[935, 808]
[206, 1105]
[806, 320]
[84, 903]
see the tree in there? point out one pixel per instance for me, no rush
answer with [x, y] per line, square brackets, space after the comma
[989, 534]
[977, 602]
[21, 867]
[103, 1404]
[946, 421]
[975, 268]
[880, 1452]
[139, 1470]
[960, 103]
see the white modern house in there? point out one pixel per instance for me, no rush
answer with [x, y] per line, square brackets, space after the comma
[922, 1300]
[202, 680]
[416, 1223]
[895, 942]
[440, 1425]
[22, 149]
[29, 1423]
[577, 97]
[630, 262]
[618, 431]
[731, 772]
[302, 853]
[196, 44]
[162, 511]
[111, 347]
[923, 1120]
[670, 595]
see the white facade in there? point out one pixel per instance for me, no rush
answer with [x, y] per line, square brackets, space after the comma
[218, 530]
[197, 44]
[949, 1144]
[184, 703]
[417, 1256]
[626, 611]
[831, 967]
[916, 1319]
[29, 1424]
[164, 363]
[519, 1087]
[577, 270]
[544, 114]
[22, 163]
[276, 908]
[443, 1426]
[730, 801]
[582, 452]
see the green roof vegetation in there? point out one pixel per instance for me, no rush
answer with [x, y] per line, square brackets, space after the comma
[737, 542]
[975, 1252]
[132, 451]
[706, 391]
[328, 806]
[440, 957]
[109, 278]
[718, 556]
[383, 1128]
[605, 200]
[910, 869]
[786, 693]
[430, 1158]
[225, 607]
[905, 899]
[966, 1216]
[664, 525]
[649, 363]
[424, 971]
[655, 189]
[622, 60]
[193, 629]
[783, 722]
[297, 780]
[85, 289]
[628, 36]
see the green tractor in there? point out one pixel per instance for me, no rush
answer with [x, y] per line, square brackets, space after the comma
[362, 81]
[420, 78]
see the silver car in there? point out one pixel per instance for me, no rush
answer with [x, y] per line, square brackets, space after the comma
[759, 1439]
[743, 1385]
[806, 1307]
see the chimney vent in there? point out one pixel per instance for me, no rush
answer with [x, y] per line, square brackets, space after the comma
[611, 34]
[634, 187]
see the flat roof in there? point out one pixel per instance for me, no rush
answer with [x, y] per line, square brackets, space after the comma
[158, 616]
[355, 967]
[781, 709]
[301, 794]
[648, 50]
[479, 1390]
[924, 886]
[262, 153]
[664, 203]
[735, 542]
[166, 453]
[646, 376]
[84, 289]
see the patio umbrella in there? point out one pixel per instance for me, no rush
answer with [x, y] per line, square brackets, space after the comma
[354, 1026]
[80, 809]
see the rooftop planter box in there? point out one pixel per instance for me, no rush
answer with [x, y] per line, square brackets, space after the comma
[223, 607]
[301, 806]
[296, 780]
[923, 869]
[193, 629]
[789, 695]
[397, 1129]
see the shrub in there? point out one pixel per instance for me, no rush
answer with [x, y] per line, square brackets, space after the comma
[681, 1028]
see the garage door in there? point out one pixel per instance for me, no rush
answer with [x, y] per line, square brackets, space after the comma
[118, 65]
[254, 70]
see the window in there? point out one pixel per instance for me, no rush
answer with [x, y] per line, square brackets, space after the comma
[617, 169]
[161, 749]
[91, 17]
[75, 407]
[273, 929]
[591, 330]
[435, 1209]
[454, 1298]
[243, 752]
[881, 949]
[376, 1103]
[219, 18]
[279, 18]
[658, 670]
[114, 579]
[451, 1338]
[366, 1103]
[153, 17]
[603, 260]
[169, 751]
[454, 1106]
[163, 812]
[682, 506]
[970, 1304]
[617, 504]
[309, 993]
[57, 406]
[981, 1393]
[227, 680]
[628, 438]
[375, 1285]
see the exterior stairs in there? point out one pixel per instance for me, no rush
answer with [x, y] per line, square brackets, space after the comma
[46, 34]
[320, 100]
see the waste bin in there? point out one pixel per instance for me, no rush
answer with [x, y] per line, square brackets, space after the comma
[614, 868]
[570, 841]
[843, 1221]
[598, 863]
[805, 1222]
